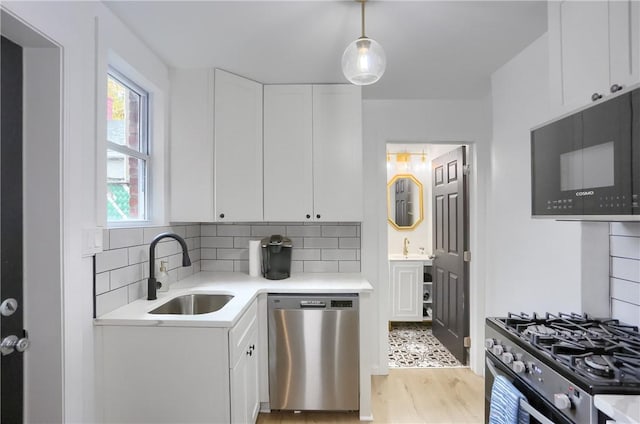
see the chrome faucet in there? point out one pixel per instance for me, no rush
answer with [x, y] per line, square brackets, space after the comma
[152, 284]
[405, 247]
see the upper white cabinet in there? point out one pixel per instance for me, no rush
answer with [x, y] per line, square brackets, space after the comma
[191, 151]
[593, 47]
[237, 148]
[288, 154]
[337, 153]
[312, 153]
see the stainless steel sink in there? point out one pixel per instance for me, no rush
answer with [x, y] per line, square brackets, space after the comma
[193, 304]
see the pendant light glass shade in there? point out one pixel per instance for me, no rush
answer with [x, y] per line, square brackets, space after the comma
[363, 61]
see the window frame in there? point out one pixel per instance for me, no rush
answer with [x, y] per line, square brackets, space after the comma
[145, 152]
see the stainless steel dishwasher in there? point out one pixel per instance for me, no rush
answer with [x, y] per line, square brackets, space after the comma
[314, 352]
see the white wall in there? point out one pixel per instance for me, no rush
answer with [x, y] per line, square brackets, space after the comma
[72, 26]
[534, 265]
[421, 121]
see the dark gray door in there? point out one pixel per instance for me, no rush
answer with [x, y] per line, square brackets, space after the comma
[11, 361]
[450, 228]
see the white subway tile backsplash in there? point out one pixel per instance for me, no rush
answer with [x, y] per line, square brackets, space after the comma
[234, 230]
[349, 243]
[208, 230]
[216, 265]
[303, 231]
[122, 276]
[321, 266]
[109, 301]
[111, 259]
[339, 231]
[123, 267]
[349, 266]
[625, 312]
[320, 242]
[267, 230]
[125, 237]
[105, 240]
[102, 282]
[625, 229]
[138, 254]
[305, 255]
[338, 255]
[217, 242]
[233, 254]
[626, 269]
[625, 290]
[625, 247]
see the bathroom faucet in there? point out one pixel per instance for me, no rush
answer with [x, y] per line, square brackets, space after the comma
[405, 247]
[186, 261]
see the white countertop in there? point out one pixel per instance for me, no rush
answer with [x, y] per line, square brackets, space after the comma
[624, 409]
[244, 289]
[410, 257]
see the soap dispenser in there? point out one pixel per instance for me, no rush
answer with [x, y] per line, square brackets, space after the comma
[163, 277]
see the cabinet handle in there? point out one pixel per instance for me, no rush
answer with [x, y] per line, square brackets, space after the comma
[318, 216]
[252, 347]
[221, 215]
[250, 352]
[615, 88]
[308, 216]
[596, 97]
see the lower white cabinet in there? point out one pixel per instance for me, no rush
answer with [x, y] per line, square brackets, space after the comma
[151, 374]
[406, 290]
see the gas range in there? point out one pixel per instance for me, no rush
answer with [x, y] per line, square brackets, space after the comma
[565, 359]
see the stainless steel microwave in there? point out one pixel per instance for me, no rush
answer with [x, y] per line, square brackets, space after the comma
[586, 165]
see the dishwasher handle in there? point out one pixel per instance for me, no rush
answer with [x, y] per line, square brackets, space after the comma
[313, 304]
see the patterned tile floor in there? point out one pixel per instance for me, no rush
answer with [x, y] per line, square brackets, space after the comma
[412, 345]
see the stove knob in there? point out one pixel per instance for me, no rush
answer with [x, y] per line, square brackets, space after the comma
[507, 357]
[497, 350]
[561, 401]
[488, 343]
[518, 367]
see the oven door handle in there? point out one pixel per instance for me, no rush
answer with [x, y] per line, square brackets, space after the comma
[523, 403]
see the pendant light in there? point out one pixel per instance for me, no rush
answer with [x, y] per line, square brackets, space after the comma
[363, 61]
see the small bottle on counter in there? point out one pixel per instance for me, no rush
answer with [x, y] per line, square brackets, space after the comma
[163, 277]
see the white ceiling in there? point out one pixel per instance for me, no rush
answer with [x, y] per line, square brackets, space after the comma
[435, 49]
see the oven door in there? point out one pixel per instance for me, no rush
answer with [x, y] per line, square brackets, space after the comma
[536, 401]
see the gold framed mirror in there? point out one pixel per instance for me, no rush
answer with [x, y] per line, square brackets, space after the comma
[404, 202]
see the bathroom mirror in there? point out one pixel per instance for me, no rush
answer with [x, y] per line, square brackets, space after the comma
[404, 202]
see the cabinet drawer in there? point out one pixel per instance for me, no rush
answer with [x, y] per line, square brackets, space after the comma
[241, 333]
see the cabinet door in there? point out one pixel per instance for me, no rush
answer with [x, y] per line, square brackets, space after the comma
[191, 146]
[337, 153]
[585, 50]
[252, 381]
[406, 291]
[288, 172]
[245, 403]
[624, 42]
[238, 148]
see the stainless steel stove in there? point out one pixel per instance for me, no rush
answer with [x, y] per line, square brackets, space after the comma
[559, 362]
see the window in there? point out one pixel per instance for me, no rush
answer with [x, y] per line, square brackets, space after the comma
[128, 159]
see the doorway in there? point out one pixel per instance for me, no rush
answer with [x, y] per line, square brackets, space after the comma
[414, 287]
[41, 400]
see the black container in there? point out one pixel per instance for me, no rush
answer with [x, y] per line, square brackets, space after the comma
[276, 257]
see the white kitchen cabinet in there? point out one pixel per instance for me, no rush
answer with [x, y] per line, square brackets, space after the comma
[406, 290]
[337, 153]
[191, 146]
[592, 46]
[237, 148]
[313, 153]
[243, 351]
[153, 374]
[288, 155]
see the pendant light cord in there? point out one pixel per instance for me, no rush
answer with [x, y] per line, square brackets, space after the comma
[363, 2]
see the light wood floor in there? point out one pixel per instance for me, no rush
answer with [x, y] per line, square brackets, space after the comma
[431, 395]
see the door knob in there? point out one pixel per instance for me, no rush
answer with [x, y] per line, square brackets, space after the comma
[9, 343]
[8, 307]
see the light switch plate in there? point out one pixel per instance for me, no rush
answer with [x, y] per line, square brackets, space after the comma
[91, 241]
